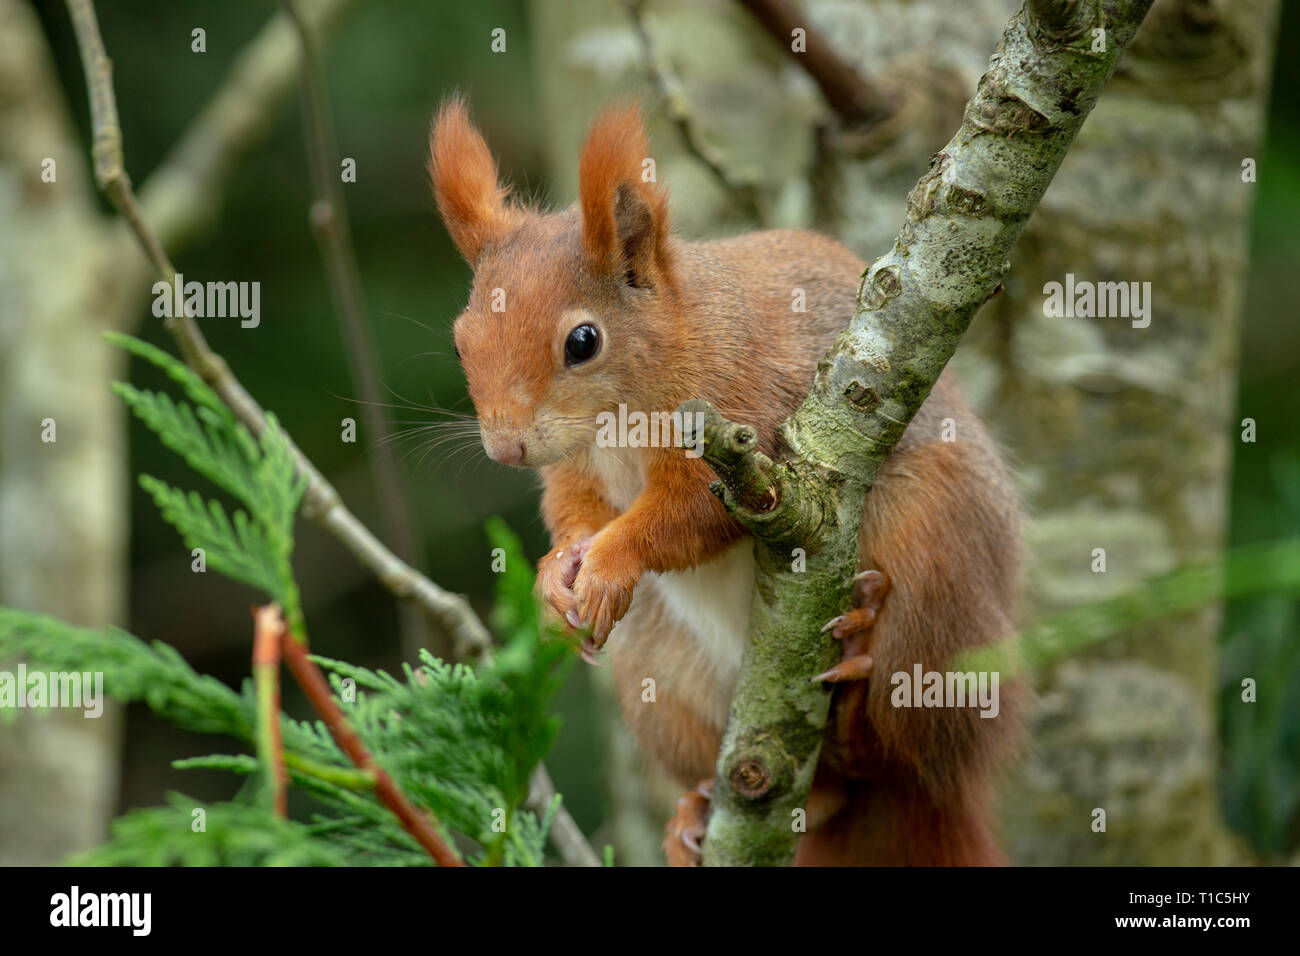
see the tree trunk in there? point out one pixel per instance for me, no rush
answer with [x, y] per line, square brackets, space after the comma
[63, 519]
[66, 274]
[1122, 435]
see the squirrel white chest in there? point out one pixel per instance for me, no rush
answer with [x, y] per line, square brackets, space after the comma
[710, 601]
[621, 473]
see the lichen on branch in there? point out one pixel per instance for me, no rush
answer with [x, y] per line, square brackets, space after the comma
[914, 304]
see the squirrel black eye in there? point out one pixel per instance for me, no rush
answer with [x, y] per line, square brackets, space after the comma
[582, 344]
[456, 350]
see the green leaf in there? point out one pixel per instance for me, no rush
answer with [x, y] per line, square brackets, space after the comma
[176, 370]
[188, 832]
[261, 473]
[239, 549]
[458, 740]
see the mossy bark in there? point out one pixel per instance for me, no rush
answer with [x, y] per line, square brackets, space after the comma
[963, 218]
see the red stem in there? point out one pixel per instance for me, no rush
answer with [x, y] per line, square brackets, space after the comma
[416, 822]
[268, 626]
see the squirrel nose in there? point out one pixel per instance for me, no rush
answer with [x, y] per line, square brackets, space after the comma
[505, 449]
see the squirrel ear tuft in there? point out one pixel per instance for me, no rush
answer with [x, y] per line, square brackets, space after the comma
[465, 183]
[624, 214]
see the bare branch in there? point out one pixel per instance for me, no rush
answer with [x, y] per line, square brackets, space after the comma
[183, 192]
[855, 100]
[744, 188]
[568, 839]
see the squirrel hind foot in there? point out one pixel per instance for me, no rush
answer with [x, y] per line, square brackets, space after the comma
[854, 627]
[685, 831]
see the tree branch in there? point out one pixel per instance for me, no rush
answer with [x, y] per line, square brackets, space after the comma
[268, 624]
[855, 100]
[183, 192]
[568, 839]
[914, 304]
[744, 188]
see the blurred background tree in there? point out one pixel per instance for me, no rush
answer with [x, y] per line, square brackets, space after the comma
[1126, 450]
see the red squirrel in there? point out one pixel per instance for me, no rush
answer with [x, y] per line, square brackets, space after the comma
[574, 312]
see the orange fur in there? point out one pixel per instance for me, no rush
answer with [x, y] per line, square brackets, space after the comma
[464, 176]
[612, 185]
[638, 539]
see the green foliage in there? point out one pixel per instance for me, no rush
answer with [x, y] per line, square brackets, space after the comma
[232, 834]
[1260, 585]
[1252, 570]
[255, 547]
[154, 674]
[531, 675]
[461, 741]
[1260, 774]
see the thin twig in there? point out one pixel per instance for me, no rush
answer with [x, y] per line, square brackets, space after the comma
[321, 503]
[568, 839]
[853, 99]
[329, 220]
[418, 823]
[268, 623]
[360, 781]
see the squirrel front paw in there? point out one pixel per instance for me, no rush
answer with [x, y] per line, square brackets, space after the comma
[602, 589]
[556, 573]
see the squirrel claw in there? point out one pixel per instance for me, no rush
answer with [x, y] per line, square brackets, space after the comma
[869, 589]
[851, 668]
[868, 595]
[854, 628]
[587, 651]
[856, 621]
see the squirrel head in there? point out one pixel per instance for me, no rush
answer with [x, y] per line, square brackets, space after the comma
[571, 312]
